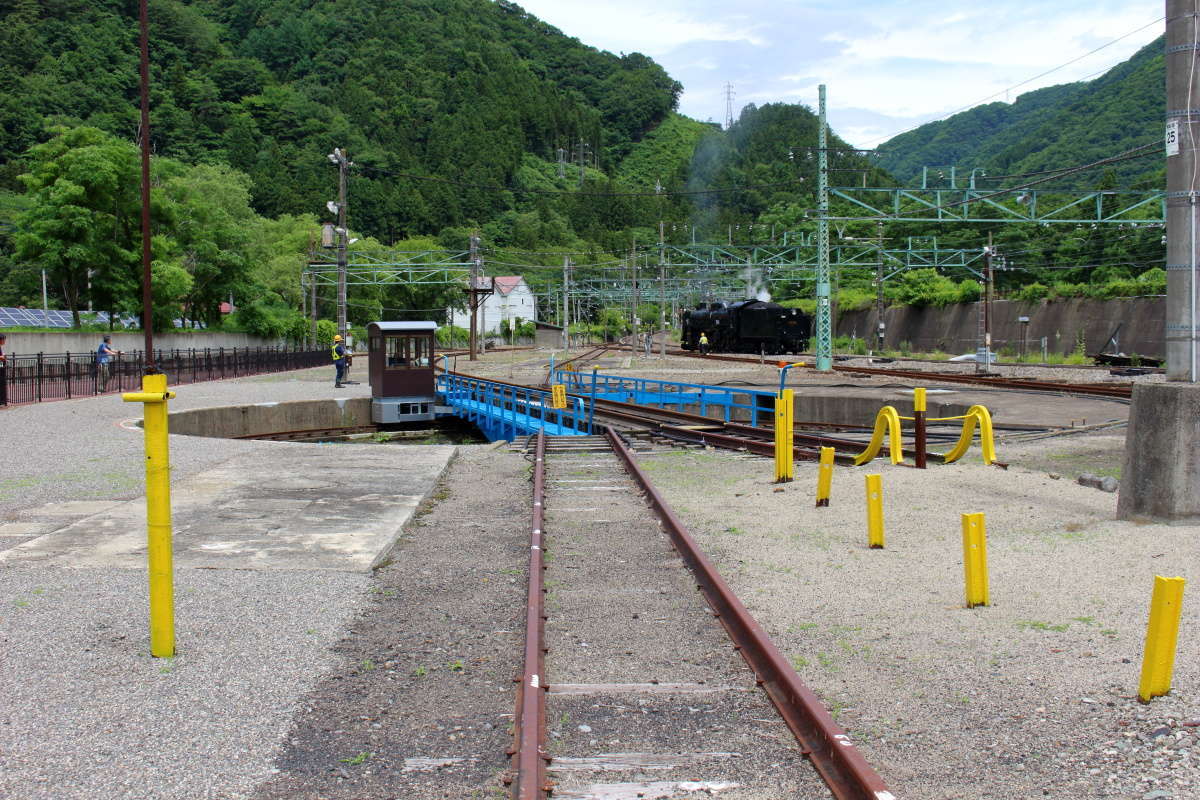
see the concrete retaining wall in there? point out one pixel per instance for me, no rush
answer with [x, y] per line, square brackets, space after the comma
[74, 342]
[955, 329]
[229, 422]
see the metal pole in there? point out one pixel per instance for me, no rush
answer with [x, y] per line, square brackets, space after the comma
[634, 265]
[343, 234]
[144, 71]
[1183, 118]
[981, 353]
[472, 296]
[566, 321]
[312, 307]
[879, 284]
[824, 327]
[154, 397]
[987, 308]
[662, 293]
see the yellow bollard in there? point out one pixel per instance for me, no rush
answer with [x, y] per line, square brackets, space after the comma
[875, 511]
[975, 570]
[558, 396]
[824, 477]
[154, 396]
[785, 462]
[1158, 661]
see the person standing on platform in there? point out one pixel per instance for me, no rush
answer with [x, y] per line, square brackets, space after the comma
[3, 372]
[341, 359]
[104, 354]
[703, 344]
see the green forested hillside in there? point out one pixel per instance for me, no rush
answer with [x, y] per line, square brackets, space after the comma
[438, 102]
[460, 116]
[1049, 128]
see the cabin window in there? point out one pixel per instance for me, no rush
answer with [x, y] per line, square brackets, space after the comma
[408, 352]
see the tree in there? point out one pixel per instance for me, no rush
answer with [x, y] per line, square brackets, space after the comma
[83, 215]
[211, 224]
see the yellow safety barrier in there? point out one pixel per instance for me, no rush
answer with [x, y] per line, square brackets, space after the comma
[1158, 660]
[974, 532]
[154, 396]
[785, 462]
[824, 477]
[886, 421]
[919, 400]
[558, 396]
[975, 414]
[875, 511]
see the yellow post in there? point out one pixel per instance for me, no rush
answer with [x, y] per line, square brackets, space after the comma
[558, 396]
[974, 532]
[824, 476]
[1158, 661]
[785, 463]
[154, 396]
[875, 511]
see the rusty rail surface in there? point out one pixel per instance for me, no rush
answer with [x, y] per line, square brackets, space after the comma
[529, 782]
[1121, 391]
[835, 757]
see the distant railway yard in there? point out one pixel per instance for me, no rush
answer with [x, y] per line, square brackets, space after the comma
[644, 612]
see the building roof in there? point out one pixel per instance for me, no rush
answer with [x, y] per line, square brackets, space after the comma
[506, 283]
[386, 327]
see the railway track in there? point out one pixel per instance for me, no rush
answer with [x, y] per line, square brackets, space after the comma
[629, 689]
[1122, 391]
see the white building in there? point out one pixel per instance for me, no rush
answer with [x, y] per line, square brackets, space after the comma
[512, 299]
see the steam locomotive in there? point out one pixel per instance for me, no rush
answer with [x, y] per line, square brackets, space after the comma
[747, 326]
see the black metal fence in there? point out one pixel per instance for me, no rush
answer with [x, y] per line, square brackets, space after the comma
[59, 376]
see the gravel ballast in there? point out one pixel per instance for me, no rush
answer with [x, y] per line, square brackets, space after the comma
[1033, 696]
[86, 713]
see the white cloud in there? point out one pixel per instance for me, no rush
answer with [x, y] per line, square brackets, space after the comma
[632, 26]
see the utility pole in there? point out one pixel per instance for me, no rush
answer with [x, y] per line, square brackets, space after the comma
[562, 167]
[662, 293]
[566, 309]
[634, 264]
[983, 354]
[728, 106]
[144, 76]
[338, 158]
[312, 308]
[473, 297]
[1162, 450]
[1183, 206]
[879, 304]
[824, 347]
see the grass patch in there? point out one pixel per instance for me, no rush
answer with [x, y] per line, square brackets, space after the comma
[1036, 625]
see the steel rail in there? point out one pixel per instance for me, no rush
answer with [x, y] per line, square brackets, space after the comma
[827, 745]
[1121, 391]
[529, 734]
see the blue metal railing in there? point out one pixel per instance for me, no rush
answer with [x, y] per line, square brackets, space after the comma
[745, 405]
[503, 411]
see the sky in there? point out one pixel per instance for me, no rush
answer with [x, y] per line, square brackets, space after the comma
[887, 66]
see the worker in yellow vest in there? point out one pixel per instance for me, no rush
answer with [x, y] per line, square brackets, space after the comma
[703, 344]
[341, 359]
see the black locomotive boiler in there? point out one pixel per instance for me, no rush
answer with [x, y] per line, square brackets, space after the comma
[747, 326]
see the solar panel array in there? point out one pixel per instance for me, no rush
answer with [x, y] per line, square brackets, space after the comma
[54, 318]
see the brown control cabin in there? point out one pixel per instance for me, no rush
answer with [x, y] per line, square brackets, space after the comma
[400, 358]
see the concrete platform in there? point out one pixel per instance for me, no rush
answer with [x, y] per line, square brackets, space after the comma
[300, 507]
